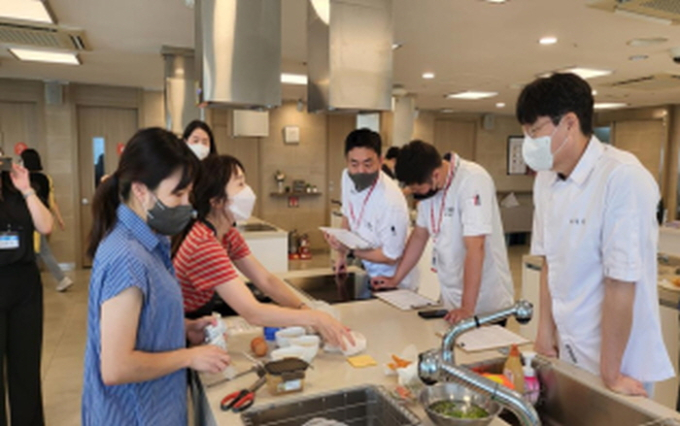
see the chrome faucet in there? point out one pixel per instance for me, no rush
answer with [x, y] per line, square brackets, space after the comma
[435, 365]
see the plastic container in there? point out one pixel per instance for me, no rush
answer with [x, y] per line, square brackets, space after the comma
[214, 334]
[513, 369]
[270, 337]
[532, 387]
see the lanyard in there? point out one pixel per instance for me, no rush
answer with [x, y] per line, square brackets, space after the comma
[363, 207]
[436, 227]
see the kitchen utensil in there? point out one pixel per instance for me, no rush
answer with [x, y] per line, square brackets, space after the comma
[459, 394]
[242, 400]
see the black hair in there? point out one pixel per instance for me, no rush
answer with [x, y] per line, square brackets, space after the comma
[31, 160]
[216, 172]
[416, 162]
[198, 124]
[363, 138]
[554, 97]
[392, 152]
[149, 157]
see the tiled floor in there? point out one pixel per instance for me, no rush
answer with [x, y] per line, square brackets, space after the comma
[65, 332]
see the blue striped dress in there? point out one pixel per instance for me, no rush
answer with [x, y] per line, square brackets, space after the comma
[133, 255]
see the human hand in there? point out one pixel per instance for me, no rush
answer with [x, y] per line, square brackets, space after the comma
[455, 315]
[335, 244]
[62, 226]
[195, 329]
[332, 330]
[340, 265]
[383, 283]
[546, 345]
[20, 178]
[625, 385]
[208, 358]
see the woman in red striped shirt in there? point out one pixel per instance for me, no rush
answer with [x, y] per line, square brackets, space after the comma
[207, 255]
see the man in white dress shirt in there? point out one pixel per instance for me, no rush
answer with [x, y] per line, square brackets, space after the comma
[458, 209]
[373, 207]
[595, 227]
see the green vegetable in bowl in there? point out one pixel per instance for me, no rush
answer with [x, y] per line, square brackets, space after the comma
[458, 410]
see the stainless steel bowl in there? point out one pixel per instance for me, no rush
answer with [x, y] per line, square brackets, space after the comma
[458, 393]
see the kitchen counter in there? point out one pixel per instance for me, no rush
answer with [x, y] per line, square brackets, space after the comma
[267, 242]
[388, 331]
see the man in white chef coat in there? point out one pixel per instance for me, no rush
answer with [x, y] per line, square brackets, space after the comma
[373, 207]
[596, 229]
[458, 209]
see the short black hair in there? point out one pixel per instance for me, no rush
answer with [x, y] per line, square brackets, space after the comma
[416, 162]
[392, 152]
[198, 124]
[363, 138]
[31, 160]
[555, 96]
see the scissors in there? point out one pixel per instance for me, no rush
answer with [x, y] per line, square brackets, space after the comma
[242, 400]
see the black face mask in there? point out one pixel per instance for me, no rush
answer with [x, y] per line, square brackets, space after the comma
[363, 180]
[169, 220]
[429, 194]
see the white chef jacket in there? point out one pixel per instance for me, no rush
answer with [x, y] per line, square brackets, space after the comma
[601, 222]
[469, 209]
[380, 216]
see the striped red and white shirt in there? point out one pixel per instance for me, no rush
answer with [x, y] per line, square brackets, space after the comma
[203, 262]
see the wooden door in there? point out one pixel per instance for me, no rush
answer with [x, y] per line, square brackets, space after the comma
[458, 136]
[18, 123]
[100, 130]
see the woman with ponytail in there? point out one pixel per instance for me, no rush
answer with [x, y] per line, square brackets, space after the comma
[136, 355]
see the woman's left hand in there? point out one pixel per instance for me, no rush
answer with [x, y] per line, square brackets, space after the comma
[20, 178]
[196, 329]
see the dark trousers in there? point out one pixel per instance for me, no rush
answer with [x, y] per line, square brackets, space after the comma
[21, 328]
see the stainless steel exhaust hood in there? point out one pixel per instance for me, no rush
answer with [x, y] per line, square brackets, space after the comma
[349, 55]
[180, 88]
[238, 51]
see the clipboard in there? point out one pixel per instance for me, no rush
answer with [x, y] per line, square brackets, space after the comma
[348, 238]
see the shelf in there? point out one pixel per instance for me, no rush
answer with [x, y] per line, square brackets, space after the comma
[294, 194]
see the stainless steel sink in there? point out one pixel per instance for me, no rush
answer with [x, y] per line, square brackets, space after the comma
[359, 406]
[256, 227]
[565, 401]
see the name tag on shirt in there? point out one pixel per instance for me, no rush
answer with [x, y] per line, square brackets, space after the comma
[9, 240]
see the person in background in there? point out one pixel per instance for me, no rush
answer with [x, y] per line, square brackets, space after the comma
[136, 355]
[459, 210]
[43, 185]
[595, 228]
[390, 161]
[21, 297]
[374, 208]
[199, 137]
[208, 254]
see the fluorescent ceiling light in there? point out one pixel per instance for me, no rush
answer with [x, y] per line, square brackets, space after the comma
[609, 105]
[446, 111]
[26, 10]
[46, 56]
[584, 73]
[496, 1]
[548, 40]
[428, 75]
[471, 95]
[638, 57]
[646, 41]
[288, 78]
[647, 18]
[500, 105]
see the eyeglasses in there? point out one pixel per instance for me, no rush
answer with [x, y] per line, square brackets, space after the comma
[533, 130]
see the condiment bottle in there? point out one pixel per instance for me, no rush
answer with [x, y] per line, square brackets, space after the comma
[513, 369]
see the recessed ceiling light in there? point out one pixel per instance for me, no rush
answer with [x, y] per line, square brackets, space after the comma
[638, 57]
[594, 92]
[396, 46]
[26, 11]
[46, 56]
[500, 105]
[496, 1]
[548, 40]
[584, 73]
[288, 78]
[428, 75]
[471, 95]
[446, 111]
[609, 105]
[646, 41]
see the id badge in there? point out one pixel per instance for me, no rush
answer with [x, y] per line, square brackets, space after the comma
[434, 261]
[9, 240]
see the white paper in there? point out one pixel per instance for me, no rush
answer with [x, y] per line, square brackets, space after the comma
[405, 299]
[491, 337]
[348, 238]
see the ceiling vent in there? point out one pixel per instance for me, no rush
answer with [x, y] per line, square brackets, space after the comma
[650, 83]
[662, 11]
[41, 36]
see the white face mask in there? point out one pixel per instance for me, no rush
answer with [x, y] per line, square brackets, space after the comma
[201, 151]
[537, 153]
[242, 203]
